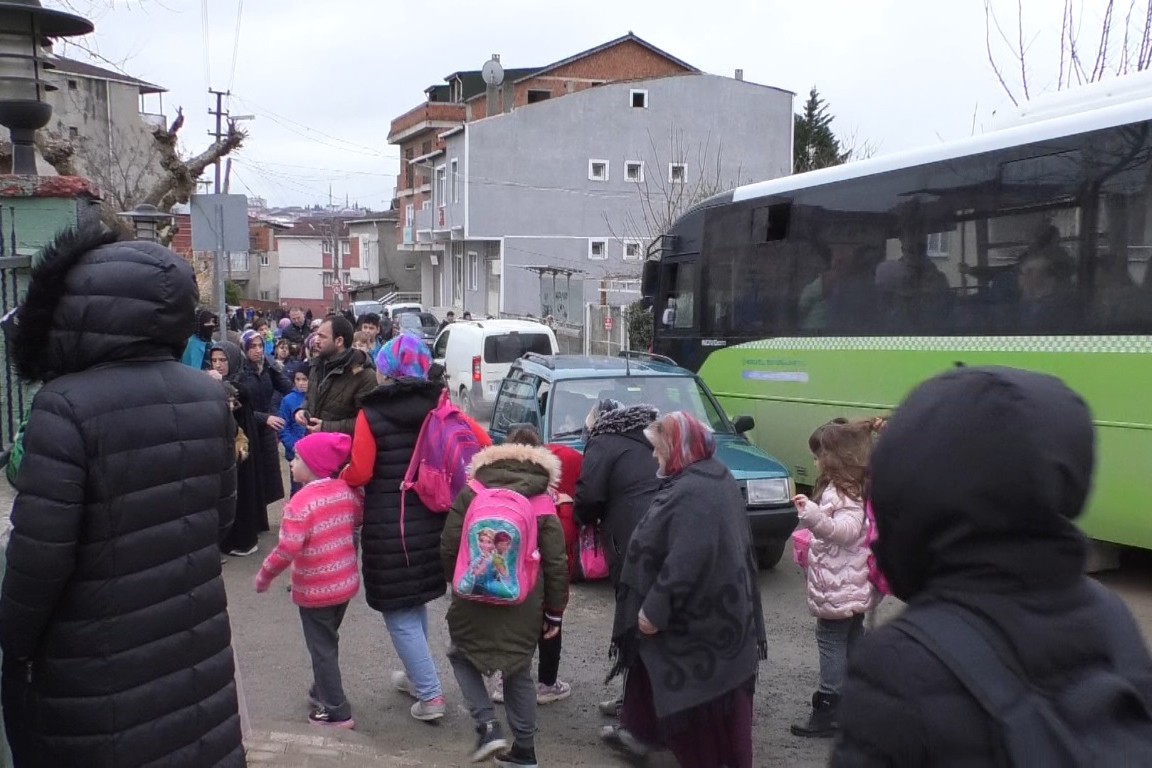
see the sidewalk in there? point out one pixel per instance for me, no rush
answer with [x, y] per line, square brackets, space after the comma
[287, 745]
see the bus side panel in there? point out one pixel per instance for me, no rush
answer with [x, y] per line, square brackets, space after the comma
[791, 388]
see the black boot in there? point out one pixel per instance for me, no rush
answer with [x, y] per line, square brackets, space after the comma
[823, 722]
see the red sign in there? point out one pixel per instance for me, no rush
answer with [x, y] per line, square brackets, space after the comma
[608, 323]
[441, 217]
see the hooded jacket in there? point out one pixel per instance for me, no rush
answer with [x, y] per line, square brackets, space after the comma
[113, 614]
[837, 572]
[976, 482]
[504, 637]
[617, 479]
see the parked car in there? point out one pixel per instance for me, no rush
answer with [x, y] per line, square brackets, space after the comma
[556, 394]
[393, 311]
[476, 355]
[422, 324]
[360, 308]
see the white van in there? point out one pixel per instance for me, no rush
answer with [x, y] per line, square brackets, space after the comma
[476, 355]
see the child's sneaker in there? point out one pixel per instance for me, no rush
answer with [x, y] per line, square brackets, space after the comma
[496, 688]
[427, 711]
[546, 694]
[321, 716]
[520, 757]
[401, 683]
[491, 741]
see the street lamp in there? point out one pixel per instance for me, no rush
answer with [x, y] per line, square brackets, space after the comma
[147, 220]
[25, 27]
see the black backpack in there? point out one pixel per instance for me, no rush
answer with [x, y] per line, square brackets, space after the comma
[1099, 718]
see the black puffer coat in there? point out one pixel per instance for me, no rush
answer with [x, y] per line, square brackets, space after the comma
[976, 481]
[394, 580]
[618, 479]
[113, 615]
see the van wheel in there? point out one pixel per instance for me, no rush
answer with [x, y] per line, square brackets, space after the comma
[466, 404]
[768, 555]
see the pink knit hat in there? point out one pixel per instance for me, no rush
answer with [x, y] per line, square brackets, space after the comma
[325, 453]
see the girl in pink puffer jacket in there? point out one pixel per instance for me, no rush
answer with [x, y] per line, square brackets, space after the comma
[839, 590]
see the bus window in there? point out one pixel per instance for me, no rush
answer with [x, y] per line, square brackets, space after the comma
[676, 309]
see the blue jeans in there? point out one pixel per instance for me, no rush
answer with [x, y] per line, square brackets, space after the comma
[409, 630]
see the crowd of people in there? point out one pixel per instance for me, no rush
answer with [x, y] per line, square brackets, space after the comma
[141, 476]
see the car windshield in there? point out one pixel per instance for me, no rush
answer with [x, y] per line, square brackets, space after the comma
[418, 321]
[572, 400]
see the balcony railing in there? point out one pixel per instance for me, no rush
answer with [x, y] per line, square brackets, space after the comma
[238, 262]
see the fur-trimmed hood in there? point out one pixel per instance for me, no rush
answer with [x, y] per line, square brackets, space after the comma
[624, 420]
[93, 300]
[517, 458]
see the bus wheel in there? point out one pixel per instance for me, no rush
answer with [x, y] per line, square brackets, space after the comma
[768, 555]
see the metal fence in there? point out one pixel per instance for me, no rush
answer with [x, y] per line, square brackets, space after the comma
[15, 395]
[606, 330]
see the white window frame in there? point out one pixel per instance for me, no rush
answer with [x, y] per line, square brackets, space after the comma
[455, 166]
[639, 249]
[427, 204]
[592, 243]
[607, 170]
[473, 271]
[265, 295]
[326, 279]
[265, 261]
[683, 173]
[441, 192]
[937, 245]
[345, 248]
[639, 166]
[326, 246]
[632, 97]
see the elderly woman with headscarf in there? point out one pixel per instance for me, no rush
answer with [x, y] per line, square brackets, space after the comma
[227, 365]
[401, 544]
[689, 628]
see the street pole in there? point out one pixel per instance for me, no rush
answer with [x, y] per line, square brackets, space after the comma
[218, 266]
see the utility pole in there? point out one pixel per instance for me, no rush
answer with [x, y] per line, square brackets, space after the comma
[218, 259]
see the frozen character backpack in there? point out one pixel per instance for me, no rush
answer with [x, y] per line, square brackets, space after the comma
[499, 560]
[438, 469]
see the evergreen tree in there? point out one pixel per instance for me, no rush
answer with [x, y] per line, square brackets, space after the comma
[815, 146]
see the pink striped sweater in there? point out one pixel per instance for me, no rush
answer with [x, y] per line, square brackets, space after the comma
[316, 540]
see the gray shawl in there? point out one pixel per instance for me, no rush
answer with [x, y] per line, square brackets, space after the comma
[691, 567]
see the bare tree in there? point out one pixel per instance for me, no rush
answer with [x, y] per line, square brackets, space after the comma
[1117, 47]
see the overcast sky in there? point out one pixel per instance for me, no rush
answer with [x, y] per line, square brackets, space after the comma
[324, 78]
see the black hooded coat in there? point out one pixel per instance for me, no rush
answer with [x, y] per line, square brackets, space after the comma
[113, 616]
[975, 484]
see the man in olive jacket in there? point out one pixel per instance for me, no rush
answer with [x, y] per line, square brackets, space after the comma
[113, 616]
[335, 385]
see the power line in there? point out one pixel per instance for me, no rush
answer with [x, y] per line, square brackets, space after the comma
[236, 43]
[364, 149]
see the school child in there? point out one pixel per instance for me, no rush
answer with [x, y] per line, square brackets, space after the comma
[365, 342]
[293, 432]
[498, 629]
[840, 592]
[316, 540]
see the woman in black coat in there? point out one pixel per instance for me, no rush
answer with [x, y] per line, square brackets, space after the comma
[261, 380]
[113, 616]
[251, 511]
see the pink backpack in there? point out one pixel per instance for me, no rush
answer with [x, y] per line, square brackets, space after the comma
[875, 575]
[499, 561]
[438, 469]
[591, 560]
[801, 543]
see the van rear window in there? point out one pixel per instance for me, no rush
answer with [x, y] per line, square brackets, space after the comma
[510, 347]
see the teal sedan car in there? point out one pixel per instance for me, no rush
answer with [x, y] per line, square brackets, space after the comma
[555, 393]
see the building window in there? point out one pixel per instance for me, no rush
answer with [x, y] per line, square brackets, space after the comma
[598, 249]
[326, 279]
[638, 98]
[455, 165]
[425, 205]
[345, 248]
[73, 85]
[535, 96]
[263, 259]
[632, 250]
[598, 170]
[441, 187]
[346, 278]
[73, 132]
[938, 245]
[677, 173]
[326, 246]
[634, 171]
[473, 271]
[265, 295]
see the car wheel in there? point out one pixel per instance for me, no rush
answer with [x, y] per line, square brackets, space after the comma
[466, 405]
[768, 555]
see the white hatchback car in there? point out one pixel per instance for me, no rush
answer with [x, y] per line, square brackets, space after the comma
[476, 355]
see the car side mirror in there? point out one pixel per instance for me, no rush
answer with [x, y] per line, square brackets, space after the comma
[744, 424]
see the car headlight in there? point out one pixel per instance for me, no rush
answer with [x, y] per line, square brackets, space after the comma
[774, 490]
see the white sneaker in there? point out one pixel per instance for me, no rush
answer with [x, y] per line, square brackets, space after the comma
[401, 683]
[546, 694]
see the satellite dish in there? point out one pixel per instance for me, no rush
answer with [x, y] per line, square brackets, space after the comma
[492, 72]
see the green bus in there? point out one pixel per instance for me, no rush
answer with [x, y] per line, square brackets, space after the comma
[833, 293]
